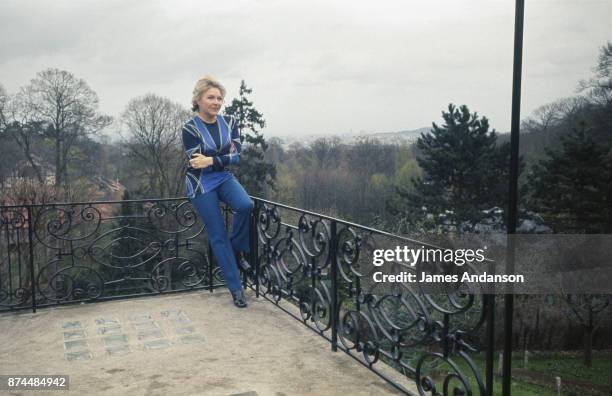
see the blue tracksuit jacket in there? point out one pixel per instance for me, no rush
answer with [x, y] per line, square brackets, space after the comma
[221, 143]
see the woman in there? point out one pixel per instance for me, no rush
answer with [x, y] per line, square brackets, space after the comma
[212, 144]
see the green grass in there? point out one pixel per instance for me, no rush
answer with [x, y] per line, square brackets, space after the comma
[519, 387]
[560, 364]
[571, 365]
[564, 364]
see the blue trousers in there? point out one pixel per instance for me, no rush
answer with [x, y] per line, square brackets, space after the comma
[224, 245]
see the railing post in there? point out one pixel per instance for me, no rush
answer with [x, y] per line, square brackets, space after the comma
[32, 275]
[333, 249]
[513, 197]
[227, 227]
[254, 254]
[210, 265]
[490, 330]
[489, 301]
[445, 340]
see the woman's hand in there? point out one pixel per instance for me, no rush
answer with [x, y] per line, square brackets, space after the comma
[199, 161]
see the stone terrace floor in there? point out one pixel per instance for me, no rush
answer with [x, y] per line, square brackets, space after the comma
[194, 343]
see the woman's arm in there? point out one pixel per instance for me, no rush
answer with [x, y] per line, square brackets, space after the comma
[233, 158]
[193, 151]
[191, 144]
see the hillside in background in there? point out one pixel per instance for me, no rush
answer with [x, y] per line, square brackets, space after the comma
[532, 144]
[537, 136]
[399, 137]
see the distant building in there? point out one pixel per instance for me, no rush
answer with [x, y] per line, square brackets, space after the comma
[24, 171]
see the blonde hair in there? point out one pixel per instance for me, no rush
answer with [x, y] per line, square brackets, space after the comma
[203, 85]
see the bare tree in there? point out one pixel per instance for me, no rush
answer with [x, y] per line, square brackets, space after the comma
[154, 125]
[17, 124]
[326, 151]
[28, 192]
[67, 107]
[551, 115]
[599, 87]
[543, 118]
[3, 103]
[584, 309]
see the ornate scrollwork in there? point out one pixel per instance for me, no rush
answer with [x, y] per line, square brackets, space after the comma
[14, 297]
[56, 225]
[13, 219]
[171, 217]
[454, 381]
[376, 321]
[313, 235]
[315, 305]
[58, 282]
[186, 271]
[269, 223]
[94, 250]
[125, 247]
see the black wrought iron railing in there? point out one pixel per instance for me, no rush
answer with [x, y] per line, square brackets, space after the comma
[315, 267]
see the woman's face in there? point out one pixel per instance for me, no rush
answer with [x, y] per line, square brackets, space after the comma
[210, 102]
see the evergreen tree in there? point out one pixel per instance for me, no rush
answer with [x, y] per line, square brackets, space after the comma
[464, 171]
[254, 172]
[572, 187]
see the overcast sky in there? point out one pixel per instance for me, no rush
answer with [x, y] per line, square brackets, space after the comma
[316, 67]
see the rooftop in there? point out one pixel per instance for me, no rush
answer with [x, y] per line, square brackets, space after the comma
[352, 334]
[182, 344]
